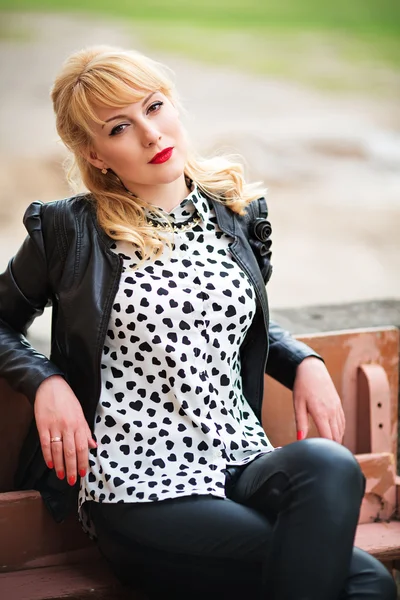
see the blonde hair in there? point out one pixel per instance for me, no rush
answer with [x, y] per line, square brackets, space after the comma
[112, 77]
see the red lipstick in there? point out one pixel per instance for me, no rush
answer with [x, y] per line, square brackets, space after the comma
[161, 157]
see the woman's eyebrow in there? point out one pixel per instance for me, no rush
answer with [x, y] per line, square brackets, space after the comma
[122, 116]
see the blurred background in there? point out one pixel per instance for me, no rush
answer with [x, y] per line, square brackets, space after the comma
[308, 91]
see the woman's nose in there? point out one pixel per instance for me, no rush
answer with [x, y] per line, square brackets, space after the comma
[149, 134]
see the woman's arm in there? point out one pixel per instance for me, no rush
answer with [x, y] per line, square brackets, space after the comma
[314, 394]
[285, 355]
[24, 293]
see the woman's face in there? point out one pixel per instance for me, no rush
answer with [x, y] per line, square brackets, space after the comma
[133, 136]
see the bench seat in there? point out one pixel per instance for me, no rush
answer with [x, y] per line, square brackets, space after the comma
[93, 579]
[75, 582]
[380, 539]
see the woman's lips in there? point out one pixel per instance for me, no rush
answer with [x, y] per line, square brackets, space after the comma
[162, 156]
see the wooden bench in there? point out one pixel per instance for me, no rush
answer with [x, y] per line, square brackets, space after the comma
[364, 366]
[40, 559]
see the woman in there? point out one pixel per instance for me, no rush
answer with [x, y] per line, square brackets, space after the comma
[153, 390]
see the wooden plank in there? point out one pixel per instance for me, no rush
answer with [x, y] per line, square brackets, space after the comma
[29, 534]
[343, 353]
[373, 409]
[379, 501]
[382, 540]
[73, 582]
[16, 416]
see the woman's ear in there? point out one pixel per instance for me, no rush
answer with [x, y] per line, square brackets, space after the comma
[91, 156]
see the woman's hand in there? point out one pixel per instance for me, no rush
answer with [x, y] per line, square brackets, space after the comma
[315, 394]
[58, 413]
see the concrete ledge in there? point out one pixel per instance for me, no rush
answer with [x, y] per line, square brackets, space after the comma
[314, 319]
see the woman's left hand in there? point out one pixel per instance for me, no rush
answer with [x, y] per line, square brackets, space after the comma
[314, 394]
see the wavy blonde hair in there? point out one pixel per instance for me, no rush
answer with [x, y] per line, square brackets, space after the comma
[112, 77]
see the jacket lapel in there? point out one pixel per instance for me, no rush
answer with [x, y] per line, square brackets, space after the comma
[229, 222]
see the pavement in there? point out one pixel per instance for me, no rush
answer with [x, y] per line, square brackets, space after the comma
[331, 162]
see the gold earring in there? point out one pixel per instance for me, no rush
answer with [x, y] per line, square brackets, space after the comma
[104, 171]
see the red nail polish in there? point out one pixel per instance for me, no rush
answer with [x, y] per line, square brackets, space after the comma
[60, 474]
[71, 480]
[50, 464]
[82, 472]
[300, 435]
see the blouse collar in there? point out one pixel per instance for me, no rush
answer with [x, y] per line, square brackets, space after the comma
[194, 201]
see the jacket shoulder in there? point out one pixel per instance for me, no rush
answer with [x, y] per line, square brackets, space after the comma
[258, 231]
[53, 226]
[42, 215]
[257, 208]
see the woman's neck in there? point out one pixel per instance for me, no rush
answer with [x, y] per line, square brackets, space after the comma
[166, 196]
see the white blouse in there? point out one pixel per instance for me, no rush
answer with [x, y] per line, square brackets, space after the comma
[172, 414]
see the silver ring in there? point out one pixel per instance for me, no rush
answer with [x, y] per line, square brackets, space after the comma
[55, 439]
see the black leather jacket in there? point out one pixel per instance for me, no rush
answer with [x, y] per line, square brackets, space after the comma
[66, 261]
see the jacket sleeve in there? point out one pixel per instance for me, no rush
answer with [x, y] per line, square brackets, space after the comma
[285, 355]
[24, 293]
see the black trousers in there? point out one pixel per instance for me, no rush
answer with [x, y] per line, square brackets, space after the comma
[285, 532]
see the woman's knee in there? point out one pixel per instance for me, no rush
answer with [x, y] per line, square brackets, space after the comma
[331, 463]
[325, 454]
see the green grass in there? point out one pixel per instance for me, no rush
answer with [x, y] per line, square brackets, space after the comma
[328, 60]
[355, 15]
[358, 39]
[15, 32]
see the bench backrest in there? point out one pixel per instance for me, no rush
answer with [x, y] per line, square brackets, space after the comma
[346, 355]
[364, 366]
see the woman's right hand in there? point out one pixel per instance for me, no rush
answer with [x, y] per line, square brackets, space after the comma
[58, 413]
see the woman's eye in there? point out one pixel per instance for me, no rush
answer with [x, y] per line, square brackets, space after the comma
[155, 106]
[118, 129]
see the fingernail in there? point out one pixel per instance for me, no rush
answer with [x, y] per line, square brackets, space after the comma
[82, 472]
[71, 480]
[60, 474]
[300, 435]
[50, 464]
